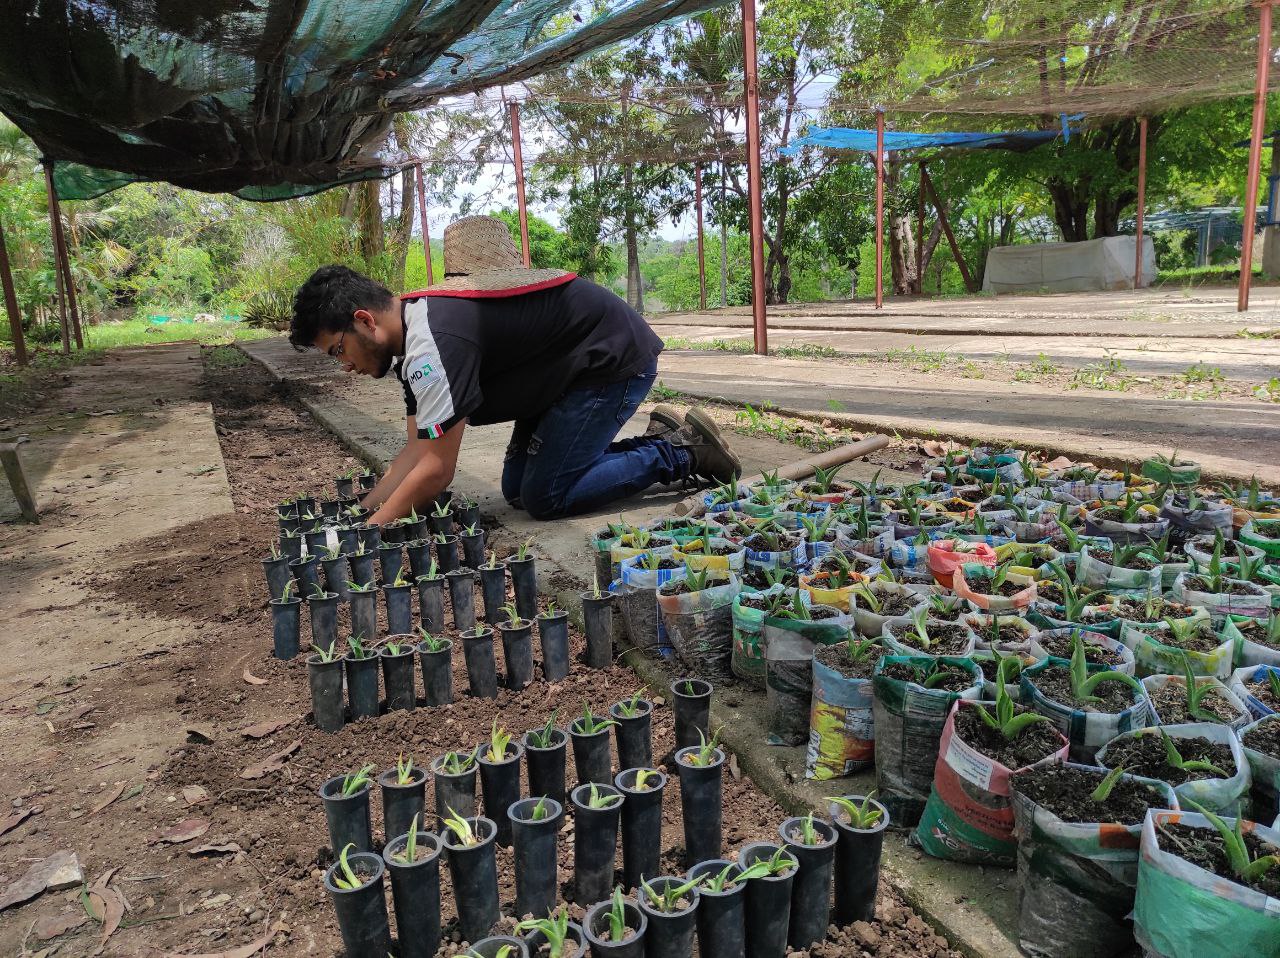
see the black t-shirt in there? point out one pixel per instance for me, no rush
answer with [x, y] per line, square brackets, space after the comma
[499, 359]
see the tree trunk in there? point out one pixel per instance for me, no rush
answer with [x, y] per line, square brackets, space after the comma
[902, 256]
[403, 227]
[373, 241]
[1071, 209]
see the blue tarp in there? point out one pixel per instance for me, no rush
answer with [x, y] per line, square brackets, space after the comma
[842, 138]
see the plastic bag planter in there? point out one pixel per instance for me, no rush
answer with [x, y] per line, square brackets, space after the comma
[454, 790]
[1096, 574]
[325, 680]
[437, 672]
[1076, 880]
[722, 931]
[595, 843]
[633, 734]
[1222, 795]
[857, 864]
[691, 704]
[1253, 675]
[811, 888]
[431, 603]
[276, 569]
[474, 871]
[638, 604]
[362, 912]
[553, 639]
[1250, 600]
[1152, 656]
[347, 816]
[500, 783]
[596, 931]
[482, 668]
[670, 933]
[702, 802]
[966, 576]
[1165, 473]
[789, 645]
[1151, 528]
[1085, 729]
[768, 904]
[415, 892]
[534, 840]
[1264, 766]
[1050, 641]
[1263, 534]
[398, 673]
[1222, 697]
[285, 623]
[402, 803]
[462, 598]
[517, 653]
[597, 625]
[1182, 910]
[641, 823]
[699, 626]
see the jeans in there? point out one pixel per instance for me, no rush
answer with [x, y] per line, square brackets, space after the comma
[568, 460]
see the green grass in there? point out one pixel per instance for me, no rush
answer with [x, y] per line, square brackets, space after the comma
[139, 332]
[789, 351]
[1203, 275]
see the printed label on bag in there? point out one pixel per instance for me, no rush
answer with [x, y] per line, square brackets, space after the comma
[968, 764]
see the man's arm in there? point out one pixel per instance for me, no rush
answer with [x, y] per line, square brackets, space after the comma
[398, 469]
[431, 463]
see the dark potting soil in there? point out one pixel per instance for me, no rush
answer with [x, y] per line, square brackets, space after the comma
[957, 680]
[990, 667]
[1055, 683]
[1059, 646]
[1049, 591]
[755, 577]
[758, 542]
[755, 600]
[1144, 755]
[666, 563]
[820, 612]
[1066, 792]
[1262, 692]
[715, 549]
[945, 638]
[895, 604]
[1034, 743]
[1204, 639]
[981, 585]
[1170, 702]
[1199, 583]
[1160, 610]
[1204, 847]
[837, 657]
[1256, 631]
[948, 613]
[682, 587]
[1265, 739]
[1007, 632]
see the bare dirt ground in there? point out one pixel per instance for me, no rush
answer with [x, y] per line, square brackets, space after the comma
[143, 767]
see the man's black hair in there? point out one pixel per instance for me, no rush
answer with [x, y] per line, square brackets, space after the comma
[328, 300]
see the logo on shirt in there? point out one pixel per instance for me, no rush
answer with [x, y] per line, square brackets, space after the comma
[421, 373]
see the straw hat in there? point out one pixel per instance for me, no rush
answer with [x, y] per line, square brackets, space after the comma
[479, 256]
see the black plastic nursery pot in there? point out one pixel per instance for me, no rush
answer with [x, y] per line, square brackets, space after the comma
[317, 540]
[462, 598]
[482, 668]
[307, 572]
[468, 514]
[633, 734]
[278, 575]
[431, 603]
[474, 870]
[591, 760]
[722, 931]
[291, 545]
[347, 816]
[325, 680]
[362, 685]
[595, 843]
[417, 553]
[337, 572]
[454, 792]
[553, 637]
[546, 766]
[399, 600]
[323, 610]
[701, 791]
[442, 525]
[574, 943]
[329, 508]
[493, 589]
[393, 533]
[597, 626]
[362, 912]
[364, 614]
[811, 888]
[691, 703]
[416, 529]
[447, 553]
[524, 581]
[534, 840]
[398, 672]
[670, 934]
[472, 548]
[857, 866]
[517, 653]
[400, 803]
[767, 903]
[493, 946]
[285, 622]
[369, 536]
[641, 824]
[500, 784]
[362, 567]
[344, 486]
[367, 480]
[390, 560]
[348, 539]
[595, 929]
[437, 673]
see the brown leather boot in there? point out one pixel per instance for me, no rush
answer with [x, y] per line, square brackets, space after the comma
[712, 459]
[663, 419]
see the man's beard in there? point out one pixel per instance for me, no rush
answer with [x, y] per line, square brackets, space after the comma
[383, 356]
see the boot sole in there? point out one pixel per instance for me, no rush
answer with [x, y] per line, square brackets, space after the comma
[669, 416]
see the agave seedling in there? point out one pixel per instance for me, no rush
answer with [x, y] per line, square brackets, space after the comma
[919, 634]
[522, 550]
[327, 653]
[725, 492]
[348, 880]
[1173, 758]
[1083, 685]
[442, 509]
[595, 587]
[824, 479]
[1244, 867]
[457, 763]
[432, 643]
[861, 650]
[410, 851]
[401, 580]
[706, 751]
[287, 592]
[698, 580]
[809, 831]
[790, 608]
[865, 596]
[1182, 631]
[554, 928]
[358, 651]
[1006, 721]
[393, 647]
[1196, 693]
[668, 900]
[470, 530]
[1107, 785]
[461, 828]
[353, 782]
[499, 740]
[861, 816]
[589, 724]
[777, 863]
[630, 708]
[617, 916]
[404, 770]
[650, 562]
[540, 811]
[357, 587]
[545, 736]
[643, 777]
[513, 616]
[597, 799]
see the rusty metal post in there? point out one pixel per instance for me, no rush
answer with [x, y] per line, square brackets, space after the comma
[754, 203]
[702, 260]
[920, 232]
[879, 208]
[1142, 198]
[11, 304]
[1255, 153]
[57, 257]
[519, 160]
[422, 214]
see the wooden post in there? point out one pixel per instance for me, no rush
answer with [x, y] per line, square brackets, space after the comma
[754, 203]
[920, 231]
[519, 160]
[946, 229]
[702, 260]
[422, 214]
[57, 257]
[1142, 199]
[64, 263]
[11, 304]
[879, 208]
[1255, 153]
[17, 477]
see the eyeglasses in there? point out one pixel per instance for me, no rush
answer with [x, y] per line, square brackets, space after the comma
[336, 350]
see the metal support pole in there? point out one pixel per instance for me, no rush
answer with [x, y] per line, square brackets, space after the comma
[64, 263]
[57, 257]
[1255, 153]
[879, 208]
[1142, 199]
[422, 214]
[702, 260]
[920, 231]
[758, 314]
[969, 284]
[524, 213]
[11, 304]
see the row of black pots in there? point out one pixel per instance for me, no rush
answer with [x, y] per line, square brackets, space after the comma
[761, 917]
[326, 679]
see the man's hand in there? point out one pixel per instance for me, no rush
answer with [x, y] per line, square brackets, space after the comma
[424, 468]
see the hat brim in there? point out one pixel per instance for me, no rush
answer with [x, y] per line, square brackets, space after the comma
[497, 283]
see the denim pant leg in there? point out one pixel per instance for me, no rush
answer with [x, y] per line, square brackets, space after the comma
[514, 460]
[572, 464]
